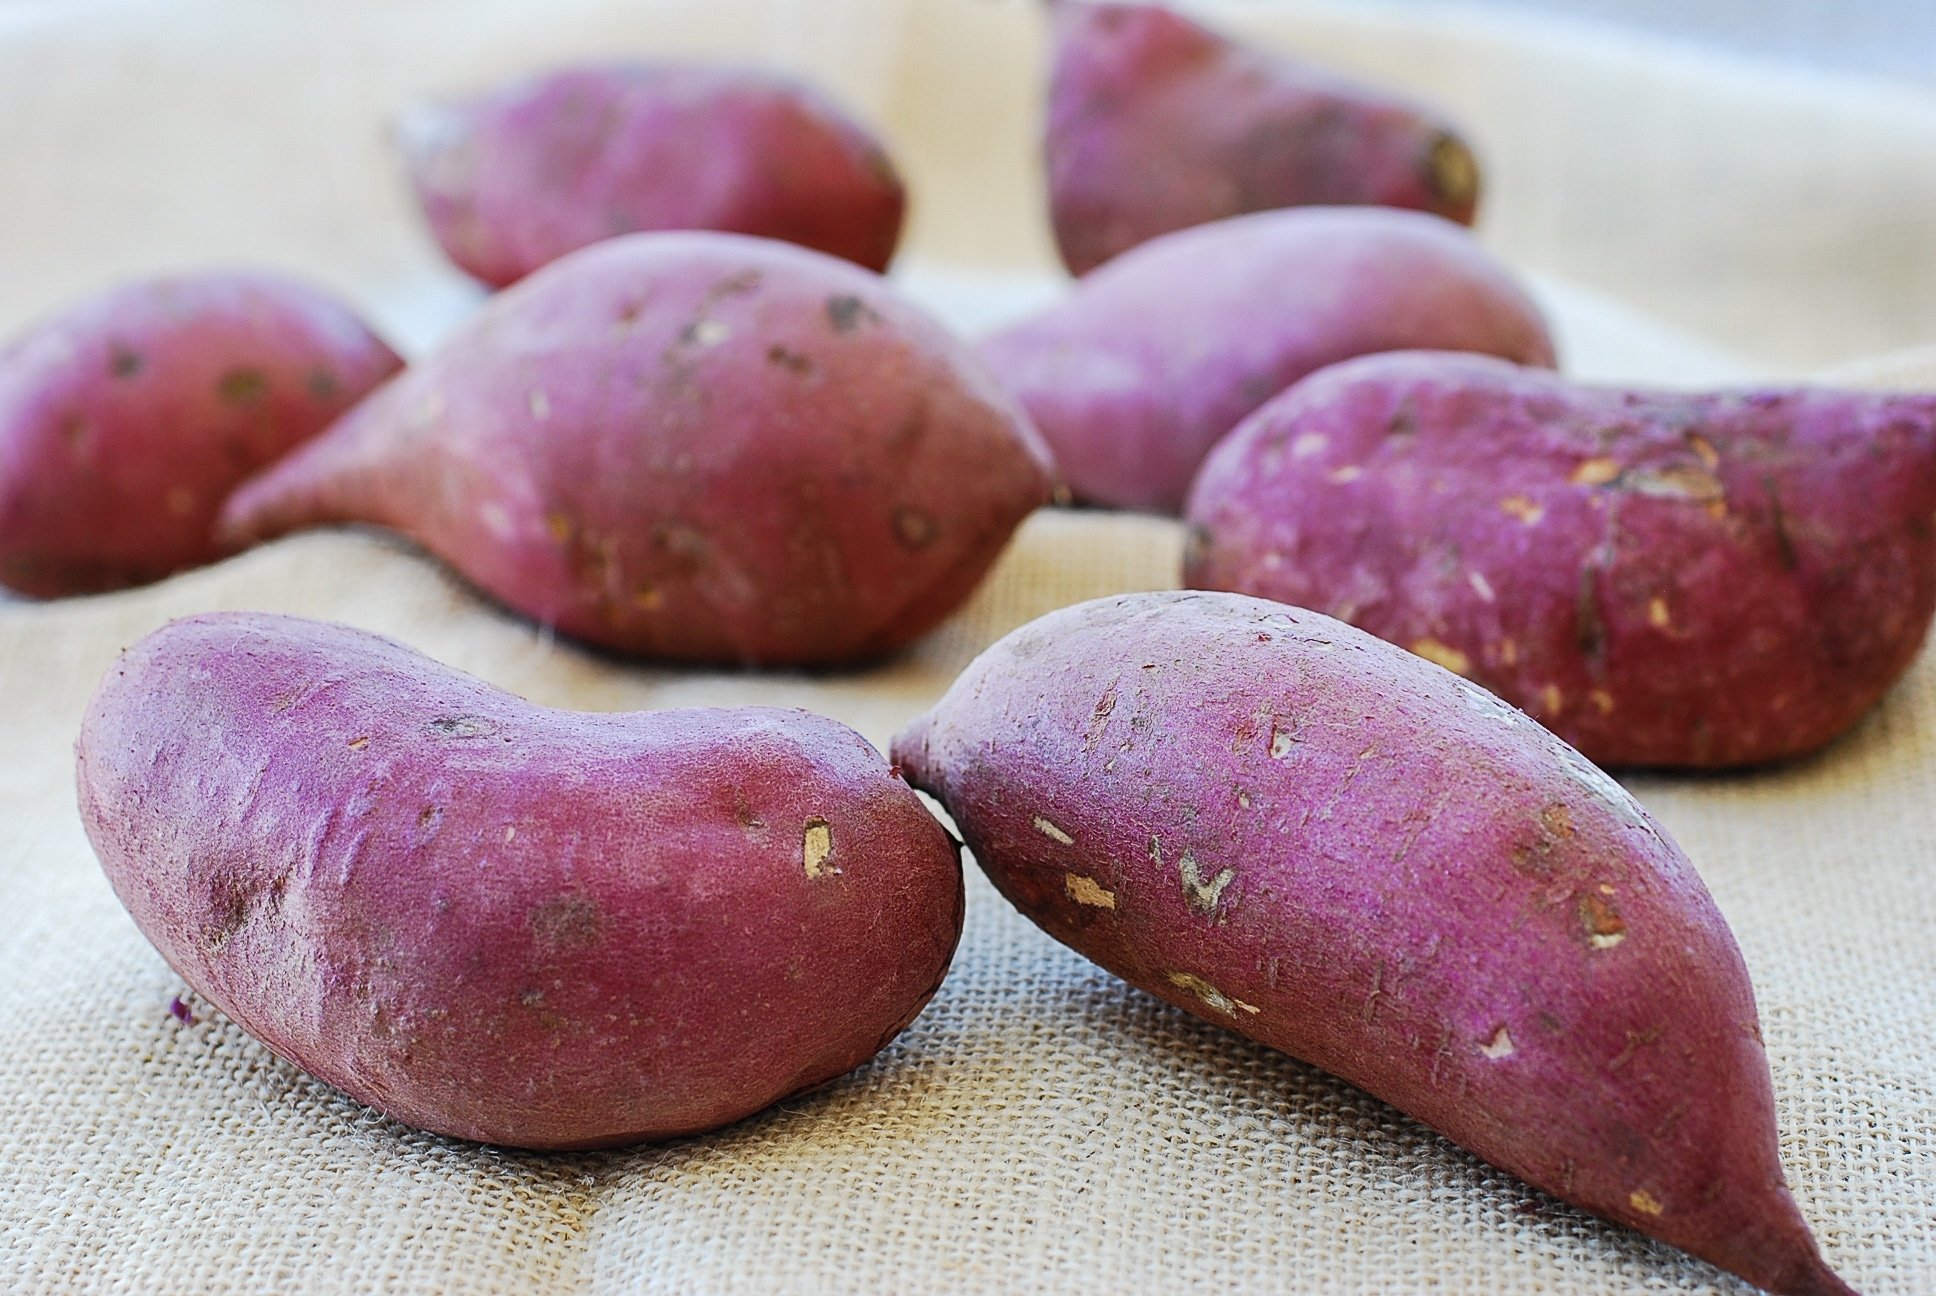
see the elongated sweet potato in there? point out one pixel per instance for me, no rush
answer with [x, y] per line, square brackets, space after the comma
[1337, 848]
[1157, 123]
[126, 420]
[1662, 578]
[692, 446]
[492, 920]
[516, 178]
[1154, 357]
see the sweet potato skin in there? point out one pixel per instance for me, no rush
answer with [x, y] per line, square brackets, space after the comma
[1307, 835]
[501, 922]
[1662, 578]
[1157, 355]
[517, 177]
[1156, 123]
[127, 418]
[693, 446]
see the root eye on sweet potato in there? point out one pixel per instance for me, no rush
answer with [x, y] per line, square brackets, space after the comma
[127, 419]
[696, 446]
[1156, 124]
[502, 922]
[1332, 846]
[1662, 578]
[1157, 355]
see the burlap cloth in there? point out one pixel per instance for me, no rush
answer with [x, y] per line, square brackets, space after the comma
[1041, 1128]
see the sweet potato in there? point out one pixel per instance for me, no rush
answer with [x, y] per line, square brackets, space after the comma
[517, 177]
[1341, 850]
[693, 446]
[1662, 578]
[126, 419]
[492, 920]
[1157, 123]
[1160, 353]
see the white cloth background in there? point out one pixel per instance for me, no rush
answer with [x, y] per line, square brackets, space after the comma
[1689, 219]
[1877, 37]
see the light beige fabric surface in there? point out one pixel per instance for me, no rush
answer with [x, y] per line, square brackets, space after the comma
[1041, 1128]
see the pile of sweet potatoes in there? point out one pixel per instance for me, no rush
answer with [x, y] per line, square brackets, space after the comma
[699, 426]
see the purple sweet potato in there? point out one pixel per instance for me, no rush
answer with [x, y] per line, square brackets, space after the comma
[1662, 578]
[1341, 850]
[520, 176]
[127, 419]
[492, 920]
[1157, 355]
[693, 446]
[1157, 124]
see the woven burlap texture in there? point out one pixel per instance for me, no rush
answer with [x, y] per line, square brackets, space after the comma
[1041, 1128]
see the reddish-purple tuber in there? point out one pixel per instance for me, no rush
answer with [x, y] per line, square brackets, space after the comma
[1157, 123]
[127, 419]
[1341, 850]
[695, 446]
[1662, 578]
[1157, 355]
[516, 178]
[497, 921]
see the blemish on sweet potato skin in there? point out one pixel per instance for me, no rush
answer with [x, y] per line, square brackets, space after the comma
[1087, 891]
[1601, 922]
[1203, 889]
[914, 527]
[1439, 901]
[848, 312]
[1211, 997]
[791, 361]
[1046, 826]
[1521, 509]
[244, 385]
[817, 848]
[567, 921]
[1596, 471]
[444, 900]
[1673, 529]
[1645, 1202]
